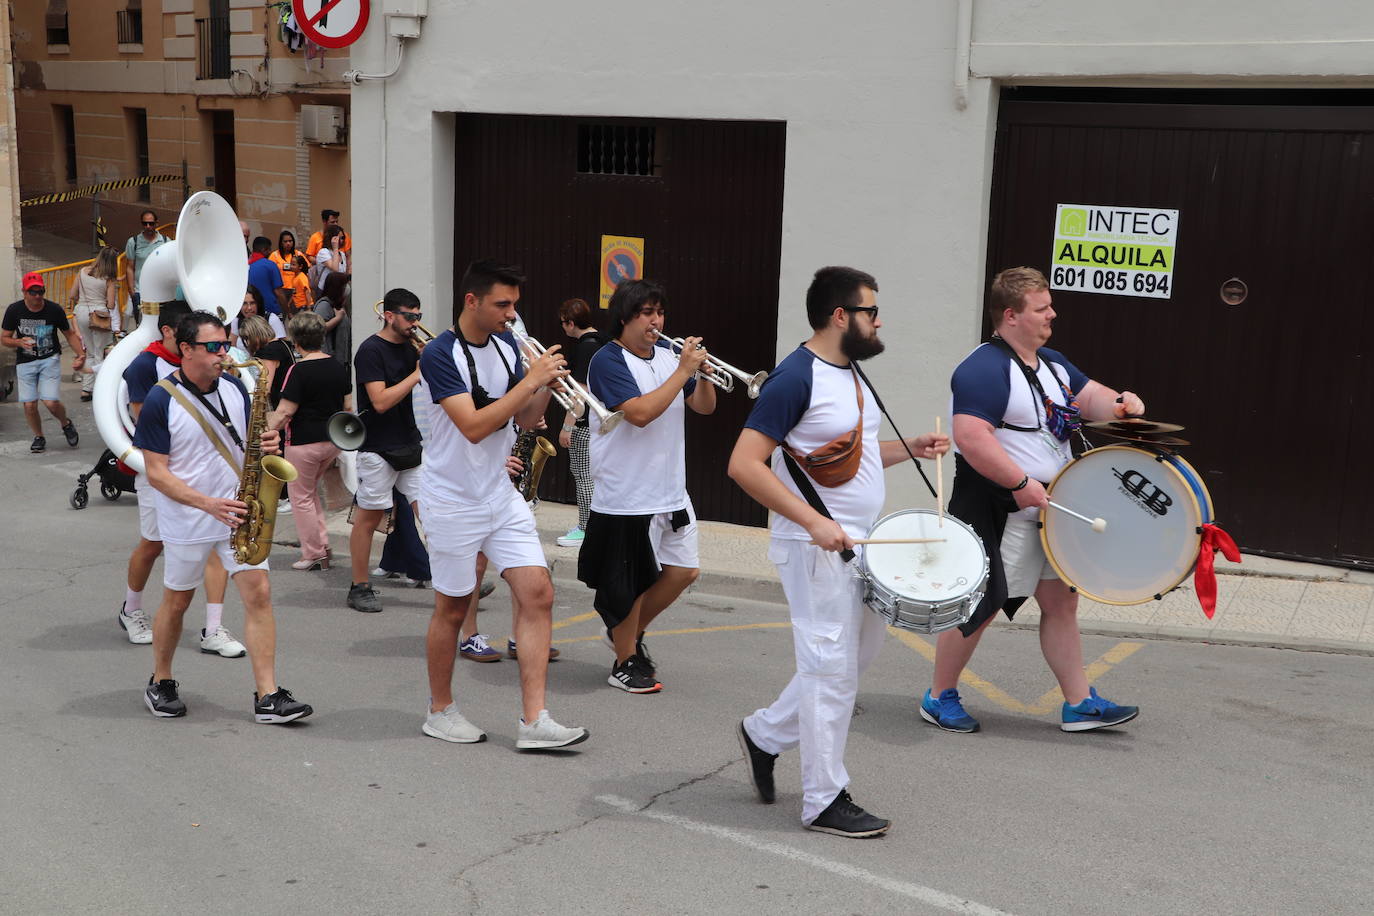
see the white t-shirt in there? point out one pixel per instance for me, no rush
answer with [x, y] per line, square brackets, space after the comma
[165, 427]
[807, 403]
[324, 255]
[456, 470]
[637, 471]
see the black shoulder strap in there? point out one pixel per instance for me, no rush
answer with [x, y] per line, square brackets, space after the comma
[1032, 379]
[854, 364]
[808, 492]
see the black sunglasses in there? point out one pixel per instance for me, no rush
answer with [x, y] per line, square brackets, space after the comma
[871, 309]
[150, 222]
[412, 316]
[212, 346]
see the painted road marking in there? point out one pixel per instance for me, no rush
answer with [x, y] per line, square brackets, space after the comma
[1041, 707]
[927, 895]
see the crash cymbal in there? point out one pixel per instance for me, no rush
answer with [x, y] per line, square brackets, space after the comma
[1135, 426]
[1161, 440]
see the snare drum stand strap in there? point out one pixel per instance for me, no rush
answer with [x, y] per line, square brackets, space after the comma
[813, 499]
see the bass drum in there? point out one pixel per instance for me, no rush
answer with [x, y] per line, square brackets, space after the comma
[1154, 504]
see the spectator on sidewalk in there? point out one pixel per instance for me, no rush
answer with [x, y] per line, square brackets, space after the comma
[294, 267]
[97, 312]
[332, 307]
[136, 252]
[327, 218]
[31, 326]
[265, 276]
[331, 258]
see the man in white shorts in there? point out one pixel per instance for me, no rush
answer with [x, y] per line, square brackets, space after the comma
[478, 386]
[388, 369]
[1017, 404]
[155, 363]
[192, 429]
[640, 547]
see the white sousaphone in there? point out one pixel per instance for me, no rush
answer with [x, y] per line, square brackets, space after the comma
[208, 261]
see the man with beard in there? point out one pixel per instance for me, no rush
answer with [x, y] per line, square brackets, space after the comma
[815, 405]
[1017, 403]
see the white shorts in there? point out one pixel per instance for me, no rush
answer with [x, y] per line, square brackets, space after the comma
[147, 508]
[376, 478]
[183, 565]
[1023, 557]
[675, 548]
[502, 528]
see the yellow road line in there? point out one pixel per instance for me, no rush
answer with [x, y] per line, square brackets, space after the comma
[967, 678]
[1113, 656]
[590, 615]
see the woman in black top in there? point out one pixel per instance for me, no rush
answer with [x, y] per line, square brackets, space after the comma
[576, 318]
[312, 390]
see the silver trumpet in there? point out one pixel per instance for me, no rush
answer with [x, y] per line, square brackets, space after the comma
[722, 374]
[574, 398]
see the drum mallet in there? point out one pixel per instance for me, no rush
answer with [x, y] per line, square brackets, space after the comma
[1097, 524]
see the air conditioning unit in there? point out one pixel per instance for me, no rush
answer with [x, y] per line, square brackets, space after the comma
[323, 124]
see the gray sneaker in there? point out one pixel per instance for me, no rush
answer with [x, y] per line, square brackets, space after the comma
[363, 597]
[450, 725]
[546, 734]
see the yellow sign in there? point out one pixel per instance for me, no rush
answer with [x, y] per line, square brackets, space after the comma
[622, 258]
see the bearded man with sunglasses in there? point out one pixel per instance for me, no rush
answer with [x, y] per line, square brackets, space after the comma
[1016, 406]
[192, 429]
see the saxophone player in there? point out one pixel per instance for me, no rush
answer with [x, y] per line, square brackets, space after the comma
[194, 430]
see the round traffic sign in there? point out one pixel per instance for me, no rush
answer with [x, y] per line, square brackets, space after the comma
[332, 23]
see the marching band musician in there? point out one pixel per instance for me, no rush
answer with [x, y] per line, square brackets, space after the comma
[478, 384]
[813, 405]
[1010, 440]
[193, 433]
[640, 547]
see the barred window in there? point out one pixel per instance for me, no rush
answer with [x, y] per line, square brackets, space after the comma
[617, 149]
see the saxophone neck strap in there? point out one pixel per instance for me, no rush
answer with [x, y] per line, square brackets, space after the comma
[180, 397]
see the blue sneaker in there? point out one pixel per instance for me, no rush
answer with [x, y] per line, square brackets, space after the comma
[1095, 712]
[947, 712]
[476, 649]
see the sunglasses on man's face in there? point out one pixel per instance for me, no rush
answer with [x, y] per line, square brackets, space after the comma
[411, 316]
[213, 346]
[150, 222]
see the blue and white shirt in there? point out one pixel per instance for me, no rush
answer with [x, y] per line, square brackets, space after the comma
[144, 371]
[987, 385]
[638, 471]
[807, 403]
[456, 470]
[165, 427]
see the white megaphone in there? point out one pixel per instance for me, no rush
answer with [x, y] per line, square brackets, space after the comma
[207, 260]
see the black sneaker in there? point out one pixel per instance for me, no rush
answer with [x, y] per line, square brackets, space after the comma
[279, 707]
[70, 432]
[39, 445]
[363, 597]
[649, 665]
[630, 677]
[161, 699]
[760, 766]
[844, 818]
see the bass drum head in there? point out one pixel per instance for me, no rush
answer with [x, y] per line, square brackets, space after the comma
[1153, 513]
[930, 573]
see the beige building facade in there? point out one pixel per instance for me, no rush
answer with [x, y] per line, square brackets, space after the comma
[208, 91]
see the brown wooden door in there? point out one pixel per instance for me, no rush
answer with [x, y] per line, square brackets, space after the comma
[1273, 390]
[708, 203]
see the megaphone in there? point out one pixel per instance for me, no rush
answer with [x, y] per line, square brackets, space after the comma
[346, 430]
[208, 262]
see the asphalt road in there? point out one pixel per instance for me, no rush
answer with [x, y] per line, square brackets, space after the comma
[1244, 787]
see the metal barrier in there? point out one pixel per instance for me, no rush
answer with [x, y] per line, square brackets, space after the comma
[58, 280]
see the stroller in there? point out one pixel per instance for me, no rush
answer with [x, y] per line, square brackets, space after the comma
[115, 478]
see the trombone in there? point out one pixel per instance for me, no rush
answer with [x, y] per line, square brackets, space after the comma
[419, 334]
[574, 398]
[722, 374]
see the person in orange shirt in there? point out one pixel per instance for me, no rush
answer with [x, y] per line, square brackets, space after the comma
[294, 268]
[329, 218]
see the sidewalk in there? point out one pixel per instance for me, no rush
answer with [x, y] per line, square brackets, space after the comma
[1260, 602]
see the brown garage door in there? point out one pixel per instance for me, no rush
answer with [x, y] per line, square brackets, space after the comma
[1275, 391]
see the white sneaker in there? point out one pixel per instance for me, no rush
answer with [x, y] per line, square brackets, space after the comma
[546, 733]
[221, 642]
[573, 538]
[450, 725]
[137, 626]
[386, 574]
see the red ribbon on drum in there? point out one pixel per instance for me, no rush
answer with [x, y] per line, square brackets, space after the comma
[1205, 579]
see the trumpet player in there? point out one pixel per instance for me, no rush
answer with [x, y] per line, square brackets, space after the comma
[640, 547]
[476, 377]
[192, 430]
[387, 365]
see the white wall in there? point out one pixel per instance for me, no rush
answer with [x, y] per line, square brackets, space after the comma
[883, 170]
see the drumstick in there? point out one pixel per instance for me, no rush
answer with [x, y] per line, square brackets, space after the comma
[898, 541]
[939, 479]
[1097, 524]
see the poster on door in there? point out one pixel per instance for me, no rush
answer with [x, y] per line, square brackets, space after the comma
[1119, 251]
[622, 258]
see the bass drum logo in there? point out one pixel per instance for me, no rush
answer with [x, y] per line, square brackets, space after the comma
[1144, 491]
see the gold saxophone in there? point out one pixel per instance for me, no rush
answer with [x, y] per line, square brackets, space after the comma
[533, 450]
[260, 483]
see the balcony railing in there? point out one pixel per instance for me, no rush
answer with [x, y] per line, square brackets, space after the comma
[129, 26]
[212, 48]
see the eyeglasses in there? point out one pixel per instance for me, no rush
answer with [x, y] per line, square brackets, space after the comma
[150, 222]
[412, 316]
[212, 346]
[871, 309]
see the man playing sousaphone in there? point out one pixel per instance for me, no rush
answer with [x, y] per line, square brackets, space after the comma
[824, 417]
[1017, 403]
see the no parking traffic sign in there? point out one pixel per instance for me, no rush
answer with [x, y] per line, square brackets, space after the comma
[622, 258]
[331, 23]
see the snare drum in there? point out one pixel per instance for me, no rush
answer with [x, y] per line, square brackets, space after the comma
[1154, 504]
[924, 588]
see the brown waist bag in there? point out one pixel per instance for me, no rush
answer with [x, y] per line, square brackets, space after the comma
[837, 461]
